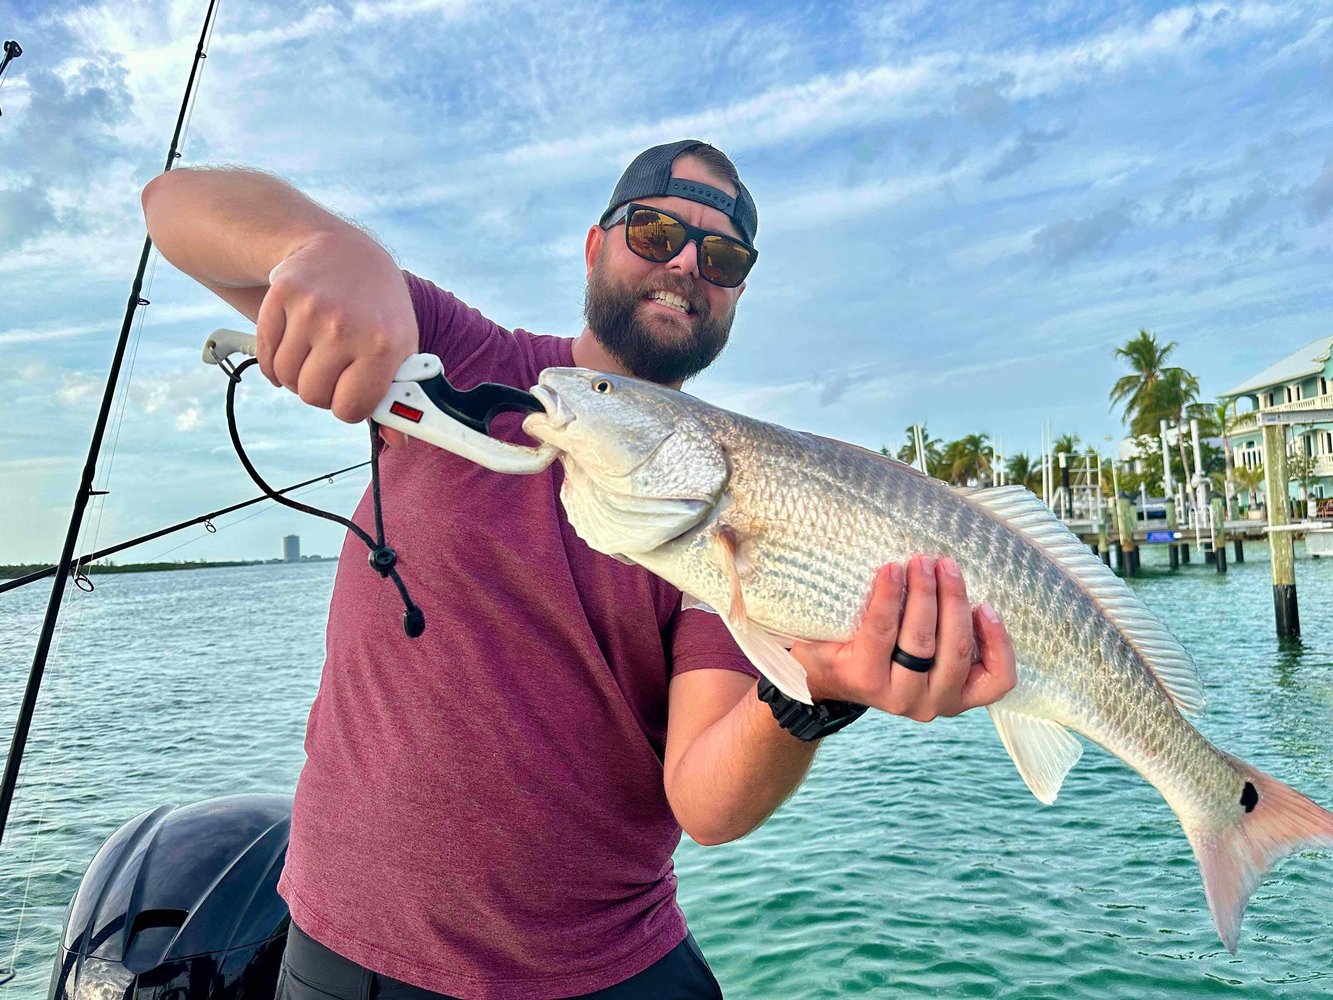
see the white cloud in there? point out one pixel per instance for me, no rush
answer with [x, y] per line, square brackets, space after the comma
[21, 465]
[370, 13]
[77, 387]
[155, 315]
[478, 138]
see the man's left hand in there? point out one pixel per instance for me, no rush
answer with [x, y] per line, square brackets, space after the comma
[922, 609]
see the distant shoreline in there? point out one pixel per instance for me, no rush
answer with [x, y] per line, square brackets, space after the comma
[13, 571]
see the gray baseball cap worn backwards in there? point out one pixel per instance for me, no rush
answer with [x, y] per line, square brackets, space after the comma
[649, 176]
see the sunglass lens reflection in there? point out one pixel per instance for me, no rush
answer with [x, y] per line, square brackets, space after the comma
[656, 237]
[659, 238]
[724, 262]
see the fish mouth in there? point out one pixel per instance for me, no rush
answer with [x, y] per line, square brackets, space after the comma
[558, 414]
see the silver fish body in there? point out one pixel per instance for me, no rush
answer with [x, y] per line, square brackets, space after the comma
[783, 533]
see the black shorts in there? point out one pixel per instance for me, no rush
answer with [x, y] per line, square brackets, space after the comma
[312, 972]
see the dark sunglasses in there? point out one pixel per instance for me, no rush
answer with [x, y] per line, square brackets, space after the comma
[658, 236]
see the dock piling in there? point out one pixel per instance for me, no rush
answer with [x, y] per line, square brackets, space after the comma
[1129, 562]
[1219, 534]
[1285, 608]
[1174, 549]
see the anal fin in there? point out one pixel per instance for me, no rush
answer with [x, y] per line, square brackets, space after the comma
[1043, 751]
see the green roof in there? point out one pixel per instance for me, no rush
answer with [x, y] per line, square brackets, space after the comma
[1307, 361]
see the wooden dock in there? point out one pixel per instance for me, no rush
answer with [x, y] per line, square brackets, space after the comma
[1157, 533]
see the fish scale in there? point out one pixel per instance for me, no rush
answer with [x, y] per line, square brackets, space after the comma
[783, 533]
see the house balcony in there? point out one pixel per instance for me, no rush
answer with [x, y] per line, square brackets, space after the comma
[1243, 424]
[1247, 423]
[1323, 465]
[1324, 402]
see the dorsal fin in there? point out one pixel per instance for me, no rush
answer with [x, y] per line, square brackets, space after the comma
[1161, 651]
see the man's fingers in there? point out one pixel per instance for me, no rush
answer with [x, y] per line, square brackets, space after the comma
[916, 634]
[361, 386]
[880, 628]
[954, 637]
[996, 673]
[392, 438]
[289, 359]
[270, 324]
[318, 378]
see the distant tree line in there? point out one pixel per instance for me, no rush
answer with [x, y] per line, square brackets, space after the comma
[1152, 390]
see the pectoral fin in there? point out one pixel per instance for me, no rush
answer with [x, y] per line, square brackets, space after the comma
[729, 540]
[769, 656]
[772, 659]
[1043, 750]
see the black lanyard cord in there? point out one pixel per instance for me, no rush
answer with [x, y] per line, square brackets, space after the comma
[383, 559]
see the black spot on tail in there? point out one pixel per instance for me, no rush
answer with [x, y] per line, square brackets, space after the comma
[1249, 798]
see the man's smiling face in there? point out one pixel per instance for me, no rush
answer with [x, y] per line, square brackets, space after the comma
[663, 322]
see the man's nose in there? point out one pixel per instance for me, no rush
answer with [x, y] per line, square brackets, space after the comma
[687, 261]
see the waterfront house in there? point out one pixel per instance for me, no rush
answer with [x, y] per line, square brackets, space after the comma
[1302, 381]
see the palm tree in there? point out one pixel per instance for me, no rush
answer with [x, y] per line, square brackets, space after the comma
[967, 460]
[1214, 421]
[1153, 391]
[1301, 470]
[1176, 390]
[934, 456]
[1067, 443]
[1020, 469]
[1250, 479]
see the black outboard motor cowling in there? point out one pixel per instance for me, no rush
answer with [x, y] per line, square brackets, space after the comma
[181, 904]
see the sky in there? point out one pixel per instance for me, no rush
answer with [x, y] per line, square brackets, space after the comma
[963, 209]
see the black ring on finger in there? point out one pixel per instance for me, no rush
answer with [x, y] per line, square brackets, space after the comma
[920, 664]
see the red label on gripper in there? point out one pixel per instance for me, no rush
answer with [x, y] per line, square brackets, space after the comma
[406, 412]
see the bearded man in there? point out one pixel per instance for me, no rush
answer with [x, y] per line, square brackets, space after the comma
[490, 811]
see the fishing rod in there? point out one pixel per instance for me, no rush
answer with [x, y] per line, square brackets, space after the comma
[85, 490]
[204, 519]
[12, 51]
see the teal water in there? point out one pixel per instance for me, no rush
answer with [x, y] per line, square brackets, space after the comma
[913, 862]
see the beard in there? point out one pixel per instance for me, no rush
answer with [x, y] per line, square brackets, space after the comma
[613, 313]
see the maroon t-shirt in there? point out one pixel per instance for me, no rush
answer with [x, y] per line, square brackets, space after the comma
[482, 811]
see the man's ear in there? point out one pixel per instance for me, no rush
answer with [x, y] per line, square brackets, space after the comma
[592, 246]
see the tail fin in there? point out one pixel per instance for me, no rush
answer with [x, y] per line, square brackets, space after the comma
[1273, 821]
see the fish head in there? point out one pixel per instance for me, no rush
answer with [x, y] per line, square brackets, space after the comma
[641, 468]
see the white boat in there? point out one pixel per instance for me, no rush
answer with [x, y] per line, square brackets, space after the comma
[1319, 542]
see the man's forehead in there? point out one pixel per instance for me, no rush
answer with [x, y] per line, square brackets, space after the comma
[688, 168]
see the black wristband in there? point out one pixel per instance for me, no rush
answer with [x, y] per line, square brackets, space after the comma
[808, 722]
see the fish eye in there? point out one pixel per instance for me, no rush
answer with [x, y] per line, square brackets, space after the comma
[602, 385]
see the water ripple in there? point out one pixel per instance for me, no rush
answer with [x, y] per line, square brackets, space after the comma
[912, 863]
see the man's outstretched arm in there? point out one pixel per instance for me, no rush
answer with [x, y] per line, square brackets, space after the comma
[729, 765]
[333, 317]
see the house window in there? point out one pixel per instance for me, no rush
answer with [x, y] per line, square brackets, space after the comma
[1323, 386]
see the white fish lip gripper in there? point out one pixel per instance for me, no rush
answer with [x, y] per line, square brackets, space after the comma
[422, 403]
